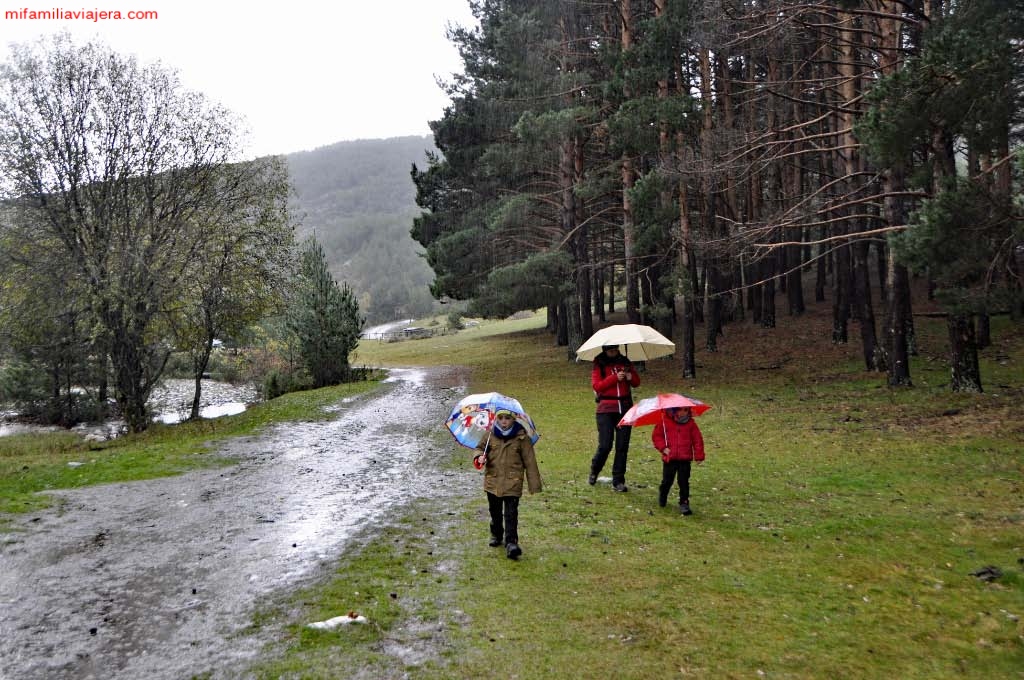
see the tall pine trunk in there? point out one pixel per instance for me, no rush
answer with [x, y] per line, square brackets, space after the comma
[965, 373]
[841, 295]
[686, 265]
[574, 307]
[562, 325]
[628, 180]
[874, 359]
[581, 247]
[712, 303]
[899, 319]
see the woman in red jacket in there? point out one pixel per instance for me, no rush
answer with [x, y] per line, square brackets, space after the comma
[612, 378]
[679, 440]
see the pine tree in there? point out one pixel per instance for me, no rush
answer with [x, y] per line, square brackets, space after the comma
[325, 318]
[962, 234]
[507, 202]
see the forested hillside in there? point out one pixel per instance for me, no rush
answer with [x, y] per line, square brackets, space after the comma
[358, 198]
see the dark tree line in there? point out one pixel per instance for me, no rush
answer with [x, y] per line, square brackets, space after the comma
[697, 159]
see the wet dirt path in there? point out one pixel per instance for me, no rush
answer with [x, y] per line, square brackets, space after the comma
[156, 579]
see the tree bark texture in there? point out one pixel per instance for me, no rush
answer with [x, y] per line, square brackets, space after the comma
[874, 359]
[965, 372]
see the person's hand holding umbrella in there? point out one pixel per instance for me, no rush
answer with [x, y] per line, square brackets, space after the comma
[666, 454]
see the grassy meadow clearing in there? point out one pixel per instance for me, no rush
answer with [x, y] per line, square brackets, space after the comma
[838, 526]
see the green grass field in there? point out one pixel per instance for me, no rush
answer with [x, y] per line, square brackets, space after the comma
[837, 526]
[837, 523]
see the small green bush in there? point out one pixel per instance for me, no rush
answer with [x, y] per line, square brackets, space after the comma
[21, 384]
[279, 382]
[455, 320]
[28, 389]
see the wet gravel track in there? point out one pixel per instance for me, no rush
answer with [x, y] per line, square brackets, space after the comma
[156, 579]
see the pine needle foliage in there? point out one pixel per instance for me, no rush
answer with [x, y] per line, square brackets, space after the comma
[325, 318]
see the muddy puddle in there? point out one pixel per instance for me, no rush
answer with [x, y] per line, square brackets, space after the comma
[159, 579]
[171, 402]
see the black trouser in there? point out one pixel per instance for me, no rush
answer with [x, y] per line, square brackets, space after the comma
[669, 472]
[606, 432]
[504, 509]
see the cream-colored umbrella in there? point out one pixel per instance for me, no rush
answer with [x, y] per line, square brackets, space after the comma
[636, 342]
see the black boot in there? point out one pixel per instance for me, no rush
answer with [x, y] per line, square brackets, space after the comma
[662, 497]
[497, 531]
[513, 551]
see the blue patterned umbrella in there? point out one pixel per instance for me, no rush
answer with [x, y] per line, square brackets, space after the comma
[473, 417]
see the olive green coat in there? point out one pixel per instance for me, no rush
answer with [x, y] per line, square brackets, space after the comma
[508, 460]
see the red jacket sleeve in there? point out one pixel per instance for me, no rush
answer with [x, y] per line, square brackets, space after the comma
[698, 443]
[604, 384]
[658, 436]
[607, 383]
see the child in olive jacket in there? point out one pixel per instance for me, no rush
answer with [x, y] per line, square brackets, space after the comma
[506, 457]
[679, 441]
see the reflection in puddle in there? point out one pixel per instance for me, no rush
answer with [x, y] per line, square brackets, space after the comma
[215, 411]
[7, 429]
[414, 376]
[351, 469]
[170, 403]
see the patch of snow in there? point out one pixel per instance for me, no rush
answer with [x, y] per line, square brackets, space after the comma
[345, 620]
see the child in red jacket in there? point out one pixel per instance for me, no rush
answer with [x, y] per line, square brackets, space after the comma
[679, 440]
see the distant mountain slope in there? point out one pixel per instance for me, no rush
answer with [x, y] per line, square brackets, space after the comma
[360, 201]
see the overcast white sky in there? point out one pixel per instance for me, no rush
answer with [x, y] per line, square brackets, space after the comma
[303, 73]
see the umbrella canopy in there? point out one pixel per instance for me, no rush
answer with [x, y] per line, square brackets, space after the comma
[649, 411]
[472, 418]
[636, 342]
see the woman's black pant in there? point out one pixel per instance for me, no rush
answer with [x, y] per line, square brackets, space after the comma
[606, 432]
[504, 510]
[670, 471]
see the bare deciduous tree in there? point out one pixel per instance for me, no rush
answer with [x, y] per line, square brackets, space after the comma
[124, 168]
